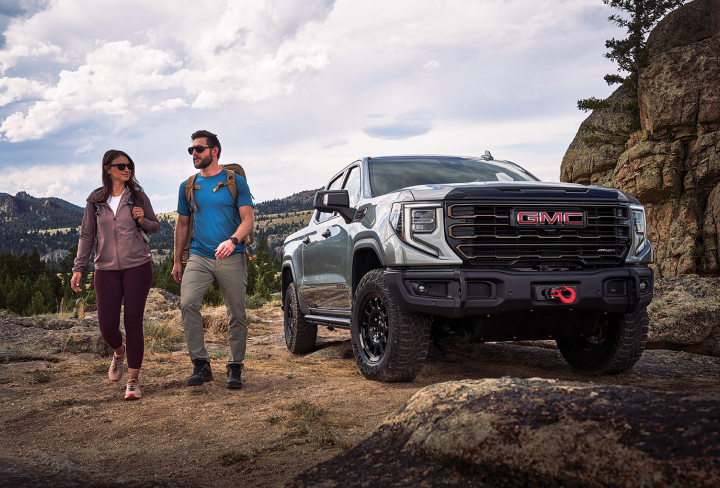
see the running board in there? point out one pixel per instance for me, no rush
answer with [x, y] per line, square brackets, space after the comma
[338, 322]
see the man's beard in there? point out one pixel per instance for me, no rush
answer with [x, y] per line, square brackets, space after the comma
[203, 162]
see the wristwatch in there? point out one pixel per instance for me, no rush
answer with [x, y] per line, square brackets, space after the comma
[235, 240]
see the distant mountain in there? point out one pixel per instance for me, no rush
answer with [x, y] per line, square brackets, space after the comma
[25, 212]
[24, 196]
[294, 203]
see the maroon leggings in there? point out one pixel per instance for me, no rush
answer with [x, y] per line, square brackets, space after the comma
[111, 287]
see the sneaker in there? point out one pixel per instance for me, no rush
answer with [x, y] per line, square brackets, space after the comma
[233, 376]
[132, 391]
[115, 373]
[201, 373]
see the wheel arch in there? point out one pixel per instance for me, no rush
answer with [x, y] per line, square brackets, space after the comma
[367, 255]
[288, 276]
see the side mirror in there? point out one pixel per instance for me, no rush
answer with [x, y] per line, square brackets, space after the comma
[329, 201]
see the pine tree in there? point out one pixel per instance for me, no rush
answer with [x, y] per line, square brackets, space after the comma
[37, 305]
[631, 56]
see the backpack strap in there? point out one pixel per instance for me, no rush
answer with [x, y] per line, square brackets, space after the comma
[189, 186]
[230, 183]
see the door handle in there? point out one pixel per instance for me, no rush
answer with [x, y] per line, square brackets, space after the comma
[326, 234]
[306, 240]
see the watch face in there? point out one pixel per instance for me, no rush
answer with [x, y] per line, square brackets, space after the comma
[234, 240]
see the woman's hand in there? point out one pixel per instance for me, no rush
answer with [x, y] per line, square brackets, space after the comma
[75, 281]
[139, 214]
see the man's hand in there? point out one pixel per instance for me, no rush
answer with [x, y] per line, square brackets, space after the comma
[177, 272]
[75, 281]
[224, 250]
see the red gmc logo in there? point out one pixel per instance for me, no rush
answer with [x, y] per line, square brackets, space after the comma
[550, 218]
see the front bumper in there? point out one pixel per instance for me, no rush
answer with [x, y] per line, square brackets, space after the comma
[611, 290]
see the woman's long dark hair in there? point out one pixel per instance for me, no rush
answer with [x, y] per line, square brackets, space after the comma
[132, 184]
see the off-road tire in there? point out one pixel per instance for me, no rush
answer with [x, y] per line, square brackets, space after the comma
[404, 336]
[300, 336]
[612, 352]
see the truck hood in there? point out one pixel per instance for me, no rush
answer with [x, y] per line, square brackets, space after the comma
[519, 190]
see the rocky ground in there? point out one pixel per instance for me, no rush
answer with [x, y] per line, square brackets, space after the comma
[70, 426]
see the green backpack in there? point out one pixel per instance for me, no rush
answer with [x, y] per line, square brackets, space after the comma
[232, 171]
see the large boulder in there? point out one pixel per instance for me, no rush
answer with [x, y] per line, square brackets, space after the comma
[696, 21]
[595, 165]
[685, 315]
[673, 164]
[160, 300]
[514, 432]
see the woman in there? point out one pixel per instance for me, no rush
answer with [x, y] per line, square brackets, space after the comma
[115, 215]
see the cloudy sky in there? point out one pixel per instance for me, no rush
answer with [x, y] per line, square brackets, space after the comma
[295, 89]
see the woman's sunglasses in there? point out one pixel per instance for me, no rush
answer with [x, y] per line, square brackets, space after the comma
[198, 149]
[122, 166]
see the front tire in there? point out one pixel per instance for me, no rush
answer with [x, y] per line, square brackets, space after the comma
[300, 336]
[389, 344]
[616, 345]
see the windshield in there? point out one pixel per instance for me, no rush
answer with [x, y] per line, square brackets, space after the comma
[390, 174]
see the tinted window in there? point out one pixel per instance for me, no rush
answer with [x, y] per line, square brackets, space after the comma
[390, 174]
[352, 185]
[334, 185]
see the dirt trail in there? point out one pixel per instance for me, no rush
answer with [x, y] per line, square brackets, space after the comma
[76, 430]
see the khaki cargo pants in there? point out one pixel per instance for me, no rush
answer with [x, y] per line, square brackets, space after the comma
[231, 275]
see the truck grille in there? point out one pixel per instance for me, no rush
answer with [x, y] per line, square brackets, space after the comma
[488, 235]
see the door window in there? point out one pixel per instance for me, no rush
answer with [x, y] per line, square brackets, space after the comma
[352, 185]
[334, 185]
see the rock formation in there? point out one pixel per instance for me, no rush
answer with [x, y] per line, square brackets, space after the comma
[537, 432]
[673, 164]
[685, 315]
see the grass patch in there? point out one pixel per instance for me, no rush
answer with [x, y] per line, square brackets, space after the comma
[307, 423]
[230, 458]
[220, 354]
[275, 419]
[158, 373]
[161, 332]
[155, 346]
[63, 401]
[41, 377]
[254, 302]
[100, 368]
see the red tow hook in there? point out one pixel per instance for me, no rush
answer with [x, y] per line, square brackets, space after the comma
[555, 293]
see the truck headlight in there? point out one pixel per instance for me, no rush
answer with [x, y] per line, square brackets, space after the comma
[638, 232]
[417, 224]
[423, 220]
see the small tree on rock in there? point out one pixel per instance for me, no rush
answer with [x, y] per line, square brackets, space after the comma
[631, 56]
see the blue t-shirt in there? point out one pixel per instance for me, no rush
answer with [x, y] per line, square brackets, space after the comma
[217, 218]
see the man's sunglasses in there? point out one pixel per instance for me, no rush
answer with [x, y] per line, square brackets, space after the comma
[198, 149]
[122, 166]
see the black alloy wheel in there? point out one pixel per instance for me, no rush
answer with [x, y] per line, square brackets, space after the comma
[373, 328]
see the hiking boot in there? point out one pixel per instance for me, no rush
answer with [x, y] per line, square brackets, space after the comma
[233, 376]
[115, 373]
[201, 373]
[132, 391]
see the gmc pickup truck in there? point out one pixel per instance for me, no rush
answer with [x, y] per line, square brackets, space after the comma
[407, 249]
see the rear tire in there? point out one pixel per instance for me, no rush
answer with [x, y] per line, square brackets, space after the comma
[389, 344]
[300, 336]
[615, 347]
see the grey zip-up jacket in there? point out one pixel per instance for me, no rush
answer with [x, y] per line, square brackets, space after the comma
[119, 243]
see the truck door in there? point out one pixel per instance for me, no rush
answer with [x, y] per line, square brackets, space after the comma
[311, 287]
[337, 249]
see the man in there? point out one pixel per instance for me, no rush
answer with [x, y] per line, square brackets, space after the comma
[217, 252]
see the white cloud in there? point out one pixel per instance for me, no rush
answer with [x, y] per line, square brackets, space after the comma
[169, 104]
[295, 89]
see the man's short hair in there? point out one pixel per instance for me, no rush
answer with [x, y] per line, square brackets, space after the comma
[212, 139]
